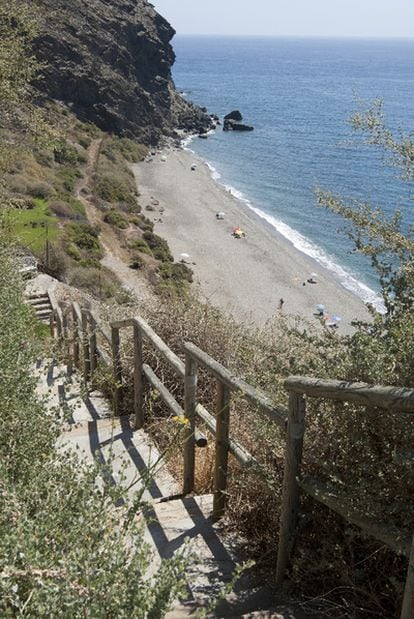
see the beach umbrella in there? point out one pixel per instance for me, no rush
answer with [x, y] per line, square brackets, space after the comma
[320, 308]
[336, 318]
[184, 256]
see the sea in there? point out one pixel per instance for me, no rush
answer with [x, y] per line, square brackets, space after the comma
[299, 95]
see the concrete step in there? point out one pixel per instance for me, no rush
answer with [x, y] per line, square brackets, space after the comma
[37, 295]
[43, 313]
[41, 304]
[172, 523]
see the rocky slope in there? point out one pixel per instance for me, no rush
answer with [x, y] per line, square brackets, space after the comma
[110, 60]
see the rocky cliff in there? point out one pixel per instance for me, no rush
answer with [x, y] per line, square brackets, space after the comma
[110, 60]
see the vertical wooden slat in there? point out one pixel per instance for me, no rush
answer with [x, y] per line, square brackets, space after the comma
[67, 343]
[222, 449]
[93, 346]
[52, 324]
[190, 402]
[138, 379]
[117, 370]
[75, 337]
[407, 611]
[85, 348]
[291, 491]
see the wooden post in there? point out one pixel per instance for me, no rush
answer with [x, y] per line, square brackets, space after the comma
[75, 338]
[222, 449]
[85, 347]
[93, 348]
[52, 324]
[291, 491]
[190, 402]
[407, 611]
[67, 343]
[117, 370]
[138, 382]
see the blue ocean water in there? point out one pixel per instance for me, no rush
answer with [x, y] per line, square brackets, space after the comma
[299, 95]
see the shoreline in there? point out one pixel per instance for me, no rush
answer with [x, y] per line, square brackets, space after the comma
[246, 277]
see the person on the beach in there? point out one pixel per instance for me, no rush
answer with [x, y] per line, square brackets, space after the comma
[281, 301]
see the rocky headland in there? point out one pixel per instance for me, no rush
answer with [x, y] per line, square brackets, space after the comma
[110, 62]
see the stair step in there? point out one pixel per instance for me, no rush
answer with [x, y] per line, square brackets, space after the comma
[38, 295]
[43, 312]
[41, 305]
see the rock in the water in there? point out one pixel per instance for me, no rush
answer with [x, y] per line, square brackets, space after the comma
[242, 127]
[234, 115]
[232, 125]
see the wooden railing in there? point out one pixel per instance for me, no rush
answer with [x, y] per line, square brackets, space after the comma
[85, 339]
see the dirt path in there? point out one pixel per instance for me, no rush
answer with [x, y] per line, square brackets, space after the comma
[114, 257]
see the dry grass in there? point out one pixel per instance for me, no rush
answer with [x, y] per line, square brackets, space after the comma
[344, 445]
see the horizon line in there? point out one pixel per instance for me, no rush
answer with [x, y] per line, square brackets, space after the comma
[299, 36]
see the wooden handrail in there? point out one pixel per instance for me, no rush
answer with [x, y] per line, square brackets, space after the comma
[394, 399]
[255, 397]
[389, 398]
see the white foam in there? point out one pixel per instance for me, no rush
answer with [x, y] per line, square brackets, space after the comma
[215, 174]
[306, 246]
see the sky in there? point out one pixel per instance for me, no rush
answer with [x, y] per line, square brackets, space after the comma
[335, 18]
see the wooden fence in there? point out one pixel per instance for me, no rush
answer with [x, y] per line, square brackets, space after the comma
[84, 337]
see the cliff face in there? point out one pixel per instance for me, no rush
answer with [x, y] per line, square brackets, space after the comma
[110, 60]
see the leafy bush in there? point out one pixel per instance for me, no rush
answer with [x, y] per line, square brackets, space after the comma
[68, 177]
[130, 150]
[86, 236]
[114, 218]
[178, 272]
[85, 142]
[136, 263]
[112, 190]
[17, 184]
[67, 155]
[100, 282]
[62, 209]
[140, 245]
[143, 223]
[159, 247]
[40, 190]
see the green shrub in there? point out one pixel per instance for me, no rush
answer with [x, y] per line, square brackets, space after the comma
[17, 184]
[112, 190]
[136, 263]
[143, 223]
[100, 282]
[44, 158]
[85, 142]
[159, 247]
[115, 218]
[178, 272]
[130, 150]
[141, 246]
[40, 190]
[73, 252]
[86, 236]
[66, 155]
[68, 177]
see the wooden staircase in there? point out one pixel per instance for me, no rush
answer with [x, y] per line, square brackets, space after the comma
[41, 304]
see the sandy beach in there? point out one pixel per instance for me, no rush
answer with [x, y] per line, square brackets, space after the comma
[248, 276]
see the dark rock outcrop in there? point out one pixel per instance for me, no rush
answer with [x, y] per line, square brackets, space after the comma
[111, 63]
[232, 125]
[234, 115]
